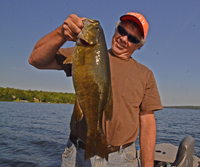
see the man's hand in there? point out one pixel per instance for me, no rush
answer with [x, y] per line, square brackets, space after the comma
[71, 27]
[43, 54]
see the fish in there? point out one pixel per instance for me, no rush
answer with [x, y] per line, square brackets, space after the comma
[92, 83]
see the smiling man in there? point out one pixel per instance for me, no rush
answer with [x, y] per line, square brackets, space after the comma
[135, 94]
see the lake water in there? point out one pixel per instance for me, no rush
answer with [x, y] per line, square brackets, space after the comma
[35, 134]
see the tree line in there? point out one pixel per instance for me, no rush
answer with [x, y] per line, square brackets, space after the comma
[11, 94]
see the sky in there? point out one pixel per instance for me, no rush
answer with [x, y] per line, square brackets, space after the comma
[171, 51]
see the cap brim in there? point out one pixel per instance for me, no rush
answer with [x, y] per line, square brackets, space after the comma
[133, 18]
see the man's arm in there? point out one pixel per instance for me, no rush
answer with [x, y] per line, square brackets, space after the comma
[147, 138]
[43, 54]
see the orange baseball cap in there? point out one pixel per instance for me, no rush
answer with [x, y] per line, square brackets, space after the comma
[139, 19]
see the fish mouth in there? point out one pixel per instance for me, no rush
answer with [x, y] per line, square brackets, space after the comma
[84, 42]
[86, 38]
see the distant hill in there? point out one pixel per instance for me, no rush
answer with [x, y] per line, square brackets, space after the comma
[11, 94]
[184, 107]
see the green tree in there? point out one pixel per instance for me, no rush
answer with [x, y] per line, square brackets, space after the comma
[20, 94]
[5, 94]
[9, 94]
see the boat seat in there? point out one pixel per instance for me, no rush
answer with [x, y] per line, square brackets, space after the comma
[184, 157]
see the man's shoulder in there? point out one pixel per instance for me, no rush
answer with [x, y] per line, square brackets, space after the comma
[141, 66]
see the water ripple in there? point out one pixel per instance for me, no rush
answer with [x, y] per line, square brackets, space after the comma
[35, 134]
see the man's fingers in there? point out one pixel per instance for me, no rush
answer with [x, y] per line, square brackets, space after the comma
[72, 27]
[83, 18]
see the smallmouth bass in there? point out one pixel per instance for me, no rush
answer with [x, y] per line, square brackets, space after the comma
[92, 83]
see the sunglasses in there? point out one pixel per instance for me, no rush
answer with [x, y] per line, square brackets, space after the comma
[131, 38]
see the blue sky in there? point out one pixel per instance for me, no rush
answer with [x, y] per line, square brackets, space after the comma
[171, 51]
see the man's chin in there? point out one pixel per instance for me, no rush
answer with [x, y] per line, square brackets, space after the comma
[117, 50]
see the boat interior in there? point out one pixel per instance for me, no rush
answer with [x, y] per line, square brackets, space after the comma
[168, 155]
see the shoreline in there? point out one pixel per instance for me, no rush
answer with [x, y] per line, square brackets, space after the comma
[24, 101]
[183, 107]
[175, 107]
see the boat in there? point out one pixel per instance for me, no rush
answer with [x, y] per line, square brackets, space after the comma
[169, 155]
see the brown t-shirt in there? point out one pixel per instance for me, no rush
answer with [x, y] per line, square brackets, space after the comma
[134, 90]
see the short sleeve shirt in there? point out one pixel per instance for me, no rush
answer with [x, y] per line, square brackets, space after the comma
[134, 90]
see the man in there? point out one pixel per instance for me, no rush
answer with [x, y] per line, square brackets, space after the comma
[135, 94]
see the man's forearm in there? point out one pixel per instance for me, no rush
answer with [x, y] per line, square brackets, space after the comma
[43, 55]
[45, 50]
[147, 139]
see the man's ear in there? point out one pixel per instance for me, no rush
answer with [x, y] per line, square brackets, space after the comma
[139, 47]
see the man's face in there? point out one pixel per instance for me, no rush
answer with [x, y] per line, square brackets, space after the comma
[121, 46]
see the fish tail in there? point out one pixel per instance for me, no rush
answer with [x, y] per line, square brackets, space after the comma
[96, 146]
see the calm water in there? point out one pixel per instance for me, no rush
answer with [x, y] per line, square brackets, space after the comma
[34, 134]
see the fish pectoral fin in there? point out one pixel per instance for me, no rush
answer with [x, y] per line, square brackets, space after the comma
[68, 60]
[109, 109]
[96, 146]
[78, 113]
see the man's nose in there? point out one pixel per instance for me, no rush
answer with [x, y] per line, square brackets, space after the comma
[124, 38]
